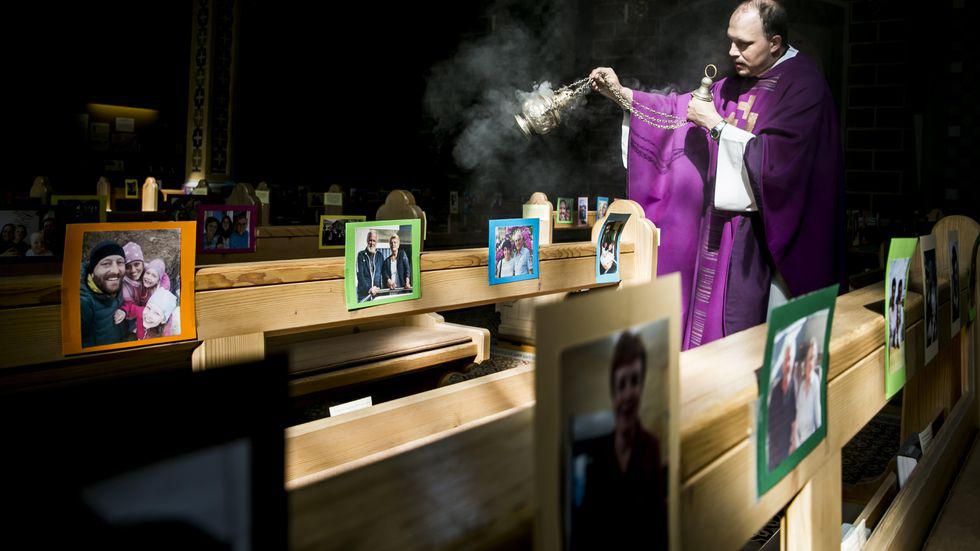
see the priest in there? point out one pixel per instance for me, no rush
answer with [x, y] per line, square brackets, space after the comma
[749, 196]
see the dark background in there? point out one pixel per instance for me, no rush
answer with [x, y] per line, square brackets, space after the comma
[333, 93]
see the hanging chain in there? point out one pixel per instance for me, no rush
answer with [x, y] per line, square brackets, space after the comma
[654, 118]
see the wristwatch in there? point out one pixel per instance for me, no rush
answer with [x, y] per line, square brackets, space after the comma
[715, 132]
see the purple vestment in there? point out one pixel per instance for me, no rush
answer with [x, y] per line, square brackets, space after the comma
[795, 167]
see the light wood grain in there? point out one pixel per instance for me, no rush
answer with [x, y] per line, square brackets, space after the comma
[879, 502]
[35, 290]
[813, 518]
[226, 351]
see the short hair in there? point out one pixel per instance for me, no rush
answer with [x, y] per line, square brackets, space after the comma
[787, 347]
[394, 236]
[775, 19]
[241, 216]
[628, 349]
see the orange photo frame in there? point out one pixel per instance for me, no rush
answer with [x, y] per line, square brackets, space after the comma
[71, 282]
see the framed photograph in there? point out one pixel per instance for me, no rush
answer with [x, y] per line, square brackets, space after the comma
[564, 215]
[607, 248]
[226, 228]
[607, 445]
[793, 385]
[333, 199]
[512, 250]
[333, 229]
[953, 242]
[896, 290]
[132, 188]
[973, 281]
[930, 282]
[121, 285]
[382, 262]
[183, 207]
[29, 233]
[601, 206]
[80, 209]
[583, 211]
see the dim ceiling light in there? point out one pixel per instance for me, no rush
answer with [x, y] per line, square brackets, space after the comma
[139, 114]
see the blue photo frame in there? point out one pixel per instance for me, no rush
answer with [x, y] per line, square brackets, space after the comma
[609, 236]
[500, 240]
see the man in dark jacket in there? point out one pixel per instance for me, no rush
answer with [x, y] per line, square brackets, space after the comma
[100, 296]
[396, 272]
[368, 267]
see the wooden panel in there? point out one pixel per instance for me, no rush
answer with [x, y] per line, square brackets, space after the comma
[249, 274]
[225, 351]
[30, 290]
[907, 522]
[321, 303]
[30, 335]
[382, 369]
[879, 502]
[813, 518]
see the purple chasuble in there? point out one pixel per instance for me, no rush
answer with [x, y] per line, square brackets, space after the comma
[726, 259]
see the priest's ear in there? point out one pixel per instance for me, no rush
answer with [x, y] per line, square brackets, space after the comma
[775, 45]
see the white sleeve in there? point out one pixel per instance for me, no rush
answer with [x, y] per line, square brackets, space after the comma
[625, 143]
[732, 189]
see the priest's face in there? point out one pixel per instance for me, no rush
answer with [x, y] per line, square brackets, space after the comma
[751, 52]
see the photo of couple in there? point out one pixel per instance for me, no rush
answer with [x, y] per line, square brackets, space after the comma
[128, 289]
[382, 262]
[513, 250]
[900, 251]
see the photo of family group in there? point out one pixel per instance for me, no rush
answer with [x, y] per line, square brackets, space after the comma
[601, 205]
[930, 282]
[128, 289]
[564, 215]
[29, 233]
[614, 408]
[513, 250]
[226, 228]
[793, 385]
[333, 230]
[607, 248]
[382, 262]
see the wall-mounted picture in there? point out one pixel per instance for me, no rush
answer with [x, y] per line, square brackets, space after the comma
[564, 215]
[608, 469]
[333, 229]
[793, 385]
[132, 188]
[226, 228]
[79, 209]
[930, 282]
[29, 233]
[513, 250]
[121, 285]
[382, 262]
[607, 248]
[583, 211]
[601, 206]
[896, 290]
[953, 242]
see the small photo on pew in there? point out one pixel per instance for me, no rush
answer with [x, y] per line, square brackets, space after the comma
[793, 385]
[333, 229]
[930, 282]
[513, 250]
[896, 291]
[29, 235]
[607, 248]
[126, 285]
[382, 262]
[226, 228]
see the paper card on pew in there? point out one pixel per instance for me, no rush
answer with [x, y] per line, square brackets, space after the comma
[792, 418]
[930, 298]
[953, 256]
[607, 440]
[896, 290]
[349, 407]
[908, 458]
[607, 248]
[855, 537]
[925, 438]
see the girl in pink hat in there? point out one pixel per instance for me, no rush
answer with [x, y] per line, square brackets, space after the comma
[153, 277]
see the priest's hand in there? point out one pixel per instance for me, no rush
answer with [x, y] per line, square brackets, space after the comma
[703, 113]
[604, 80]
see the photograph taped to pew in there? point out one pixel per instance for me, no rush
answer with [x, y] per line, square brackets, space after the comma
[29, 233]
[564, 215]
[80, 209]
[896, 290]
[607, 400]
[930, 295]
[513, 250]
[972, 293]
[607, 248]
[333, 229]
[132, 188]
[953, 242]
[583, 211]
[601, 206]
[126, 285]
[793, 385]
[382, 262]
[226, 228]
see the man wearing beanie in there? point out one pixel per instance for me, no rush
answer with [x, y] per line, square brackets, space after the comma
[100, 296]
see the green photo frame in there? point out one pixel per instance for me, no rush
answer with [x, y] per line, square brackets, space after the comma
[565, 211]
[370, 277]
[792, 418]
[900, 253]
